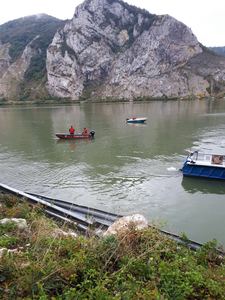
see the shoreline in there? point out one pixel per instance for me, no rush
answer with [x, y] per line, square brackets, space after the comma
[111, 100]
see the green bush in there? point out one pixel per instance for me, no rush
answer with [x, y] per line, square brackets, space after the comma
[133, 265]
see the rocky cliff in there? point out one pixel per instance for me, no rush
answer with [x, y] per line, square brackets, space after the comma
[109, 50]
[113, 50]
[23, 45]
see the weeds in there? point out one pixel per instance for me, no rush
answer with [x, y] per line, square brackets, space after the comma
[132, 265]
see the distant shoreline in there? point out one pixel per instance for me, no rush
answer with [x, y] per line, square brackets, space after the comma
[111, 100]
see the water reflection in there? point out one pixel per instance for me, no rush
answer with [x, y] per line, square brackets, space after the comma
[137, 124]
[202, 185]
[74, 141]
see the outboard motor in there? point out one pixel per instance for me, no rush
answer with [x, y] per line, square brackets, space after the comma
[92, 134]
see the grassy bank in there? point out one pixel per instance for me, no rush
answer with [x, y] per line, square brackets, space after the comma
[133, 265]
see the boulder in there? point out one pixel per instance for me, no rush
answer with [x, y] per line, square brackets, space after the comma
[136, 221]
[20, 223]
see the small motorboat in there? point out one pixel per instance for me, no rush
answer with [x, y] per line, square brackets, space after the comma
[199, 164]
[66, 136]
[136, 120]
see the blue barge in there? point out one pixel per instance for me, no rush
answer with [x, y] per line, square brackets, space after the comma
[202, 165]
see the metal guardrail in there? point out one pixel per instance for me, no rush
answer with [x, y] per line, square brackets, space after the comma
[85, 217]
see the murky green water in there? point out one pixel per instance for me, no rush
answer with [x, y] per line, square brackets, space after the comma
[126, 168]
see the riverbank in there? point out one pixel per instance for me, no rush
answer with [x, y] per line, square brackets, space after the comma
[94, 100]
[48, 259]
[71, 102]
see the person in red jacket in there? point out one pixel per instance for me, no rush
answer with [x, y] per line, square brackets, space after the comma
[71, 130]
[85, 131]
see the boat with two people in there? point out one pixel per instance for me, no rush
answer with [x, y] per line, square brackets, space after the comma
[204, 165]
[85, 134]
[136, 120]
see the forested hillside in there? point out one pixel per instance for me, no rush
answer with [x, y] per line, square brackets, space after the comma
[23, 45]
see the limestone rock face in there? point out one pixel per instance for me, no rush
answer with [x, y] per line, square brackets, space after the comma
[112, 49]
[108, 50]
[12, 74]
[4, 58]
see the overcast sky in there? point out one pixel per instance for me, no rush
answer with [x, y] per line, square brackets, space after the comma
[205, 18]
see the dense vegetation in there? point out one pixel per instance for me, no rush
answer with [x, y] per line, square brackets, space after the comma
[133, 265]
[22, 31]
[38, 31]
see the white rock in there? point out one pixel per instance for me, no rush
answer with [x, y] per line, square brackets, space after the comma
[57, 233]
[16, 250]
[2, 251]
[136, 220]
[20, 223]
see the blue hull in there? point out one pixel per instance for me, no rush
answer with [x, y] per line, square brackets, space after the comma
[203, 171]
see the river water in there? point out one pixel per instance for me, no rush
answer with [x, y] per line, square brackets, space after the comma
[127, 168]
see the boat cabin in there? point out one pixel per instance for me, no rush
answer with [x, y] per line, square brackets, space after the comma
[206, 159]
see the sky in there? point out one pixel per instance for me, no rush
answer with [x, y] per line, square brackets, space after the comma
[205, 18]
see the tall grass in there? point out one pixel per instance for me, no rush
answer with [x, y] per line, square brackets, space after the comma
[132, 265]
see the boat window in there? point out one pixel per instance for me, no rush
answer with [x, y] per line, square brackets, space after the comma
[217, 159]
[208, 157]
